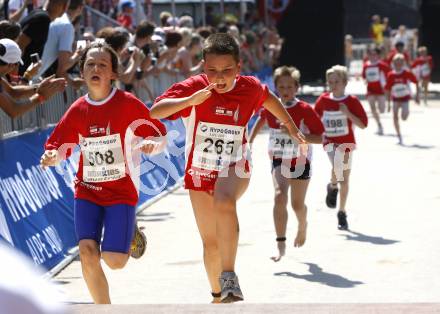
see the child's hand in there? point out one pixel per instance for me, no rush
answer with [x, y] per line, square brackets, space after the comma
[200, 96]
[343, 108]
[148, 146]
[49, 158]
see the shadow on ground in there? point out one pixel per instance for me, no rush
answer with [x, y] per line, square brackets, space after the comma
[360, 237]
[319, 276]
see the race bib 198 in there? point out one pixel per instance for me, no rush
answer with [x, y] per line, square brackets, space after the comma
[282, 145]
[426, 70]
[400, 90]
[372, 74]
[217, 145]
[103, 159]
[335, 123]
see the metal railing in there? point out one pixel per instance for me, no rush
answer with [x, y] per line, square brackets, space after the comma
[41, 116]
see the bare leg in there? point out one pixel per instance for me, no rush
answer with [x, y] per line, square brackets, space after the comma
[281, 185]
[203, 206]
[396, 107]
[372, 101]
[228, 189]
[298, 196]
[92, 271]
[425, 84]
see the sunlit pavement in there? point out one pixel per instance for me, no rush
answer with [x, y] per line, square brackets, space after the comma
[390, 255]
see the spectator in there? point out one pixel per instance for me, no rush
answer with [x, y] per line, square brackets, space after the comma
[9, 29]
[125, 17]
[35, 29]
[348, 45]
[10, 57]
[164, 16]
[402, 36]
[58, 48]
[18, 9]
[377, 29]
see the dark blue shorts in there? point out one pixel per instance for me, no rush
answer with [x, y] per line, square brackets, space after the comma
[117, 220]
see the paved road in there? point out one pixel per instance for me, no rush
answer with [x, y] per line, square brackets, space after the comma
[391, 254]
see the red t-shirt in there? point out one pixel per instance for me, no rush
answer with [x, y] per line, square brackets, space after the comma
[393, 52]
[398, 84]
[422, 67]
[376, 76]
[339, 128]
[307, 121]
[100, 128]
[125, 20]
[216, 129]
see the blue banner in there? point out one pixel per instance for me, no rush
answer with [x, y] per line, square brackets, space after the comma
[36, 214]
[36, 205]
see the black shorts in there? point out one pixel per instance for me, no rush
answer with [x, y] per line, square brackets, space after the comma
[305, 175]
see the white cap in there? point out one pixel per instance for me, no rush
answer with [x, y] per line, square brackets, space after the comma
[12, 53]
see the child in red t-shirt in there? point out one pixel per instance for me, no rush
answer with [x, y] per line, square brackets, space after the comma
[106, 123]
[398, 89]
[375, 72]
[339, 112]
[216, 107]
[289, 168]
[422, 67]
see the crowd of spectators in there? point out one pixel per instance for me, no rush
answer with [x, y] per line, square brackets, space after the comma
[152, 57]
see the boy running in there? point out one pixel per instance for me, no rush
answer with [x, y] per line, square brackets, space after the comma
[339, 112]
[289, 170]
[216, 107]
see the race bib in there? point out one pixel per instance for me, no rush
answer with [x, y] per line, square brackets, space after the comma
[400, 90]
[335, 123]
[372, 74]
[103, 159]
[281, 145]
[426, 70]
[217, 145]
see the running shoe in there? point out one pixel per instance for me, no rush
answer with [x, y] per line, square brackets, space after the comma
[231, 291]
[380, 130]
[332, 196]
[138, 244]
[342, 220]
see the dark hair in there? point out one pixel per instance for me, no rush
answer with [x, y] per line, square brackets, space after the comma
[75, 4]
[221, 44]
[9, 29]
[117, 40]
[144, 29]
[105, 47]
[2, 53]
[205, 31]
[172, 39]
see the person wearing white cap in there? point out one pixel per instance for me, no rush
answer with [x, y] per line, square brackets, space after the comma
[10, 57]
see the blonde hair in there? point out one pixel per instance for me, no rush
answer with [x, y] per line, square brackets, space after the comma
[287, 71]
[398, 56]
[422, 49]
[338, 70]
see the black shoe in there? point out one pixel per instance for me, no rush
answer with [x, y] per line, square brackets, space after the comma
[342, 220]
[332, 196]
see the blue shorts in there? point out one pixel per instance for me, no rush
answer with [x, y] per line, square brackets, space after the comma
[118, 221]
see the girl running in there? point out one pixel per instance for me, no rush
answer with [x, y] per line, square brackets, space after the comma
[398, 89]
[422, 68]
[105, 123]
[375, 73]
